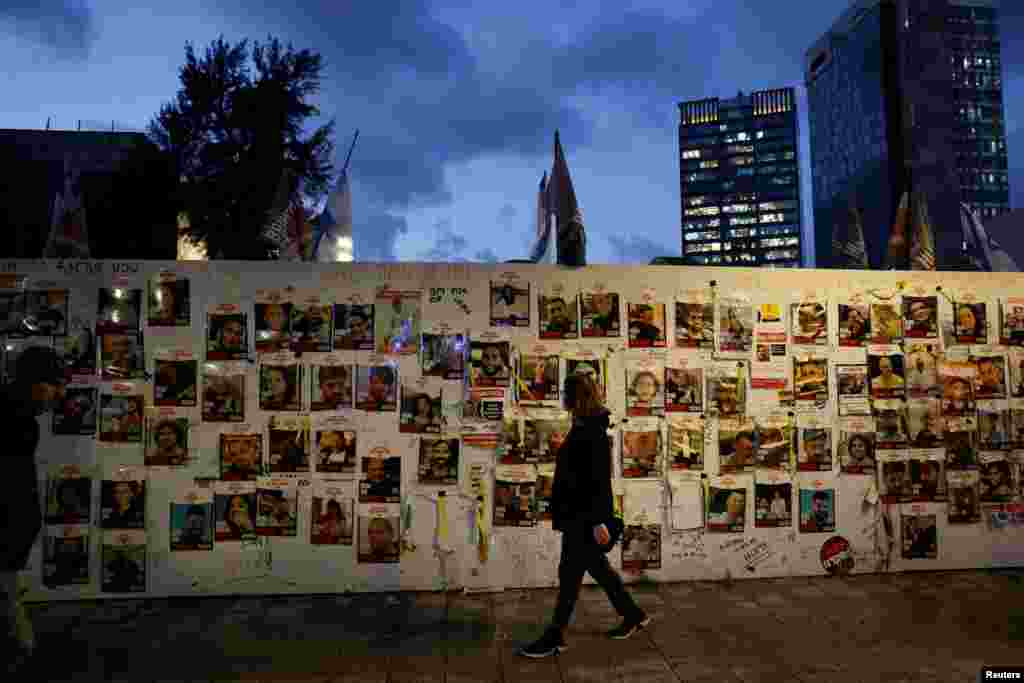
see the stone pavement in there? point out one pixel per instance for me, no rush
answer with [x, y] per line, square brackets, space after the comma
[940, 626]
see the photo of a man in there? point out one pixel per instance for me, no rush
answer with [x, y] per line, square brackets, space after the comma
[646, 325]
[727, 510]
[376, 389]
[736, 450]
[240, 457]
[119, 310]
[489, 364]
[331, 387]
[990, 378]
[381, 479]
[439, 461]
[310, 328]
[227, 336]
[920, 320]
[817, 510]
[276, 513]
[353, 327]
[336, 450]
[510, 304]
[600, 313]
[378, 539]
[124, 568]
[809, 324]
[854, 325]
[558, 319]
[273, 326]
[175, 383]
[123, 504]
[169, 303]
[223, 396]
[443, 355]
[640, 454]
[695, 325]
[886, 376]
[191, 526]
[121, 356]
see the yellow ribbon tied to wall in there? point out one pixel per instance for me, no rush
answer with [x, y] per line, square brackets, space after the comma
[483, 538]
[442, 520]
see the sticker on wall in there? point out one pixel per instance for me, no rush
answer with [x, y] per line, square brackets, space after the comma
[642, 449]
[167, 438]
[380, 478]
[817, 508]
[121, 356]
[191, 520]
[234, 505]
[241, 456]
[118, 310]
[970, 321]
[335, 443]
[856, 448]
[735, 326]
[510, 303]
[332, 514]
[443, 354]
[836, 556]
[647, 324]
[773, 501]
[514, 495]
[490, 364]
[75, 413]
[686, 442]
[538, 378]
[694, 323]
[737, 445]
[376, 388]
[958, 380]
[645, 391]
[169, 301]
[311, 325]
[353, 327]
[684, 386]
[920, 317]
[558, 318]
[123, 561]
[438, 461]
[854, 323]
[421, 407]
[600, 313]
[809, 323]
[273, 316]
[774, 436]
[1011, 321]
[727, 505]
[227, 333]
[852, 389]
[123, 499]
[174, 379]
[288, 444]
[68, 495]
[380, 530]
[922, 370]
[223, 392]
[277, 504]
[66, 556]
[330, 385]
[919, 538]
[397, 316]
[280, 383]
[121, 415]
[641, 547]
[963, 494]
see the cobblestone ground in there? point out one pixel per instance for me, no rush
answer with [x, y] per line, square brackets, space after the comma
[911, 627]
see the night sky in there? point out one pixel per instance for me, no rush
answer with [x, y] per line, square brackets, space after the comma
[457, 101]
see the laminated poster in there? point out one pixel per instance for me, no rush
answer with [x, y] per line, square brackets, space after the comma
[919, 538]
[814, 446]
[75, 413]
[277, 503]
[735, 327]
[852, 389]
[227, 333]
[66, 556]
[121, 356]
[645, 389]
[353, 327]
[774, 435]
[280, 383]
[510, 303]
[963, 494]
[223, 389]
[397, 318]
[920, 317]
[439, 460]
[123, 561]
[559, 318]
[737, 445]
[68, 495]
[380, 530]
[857, 445]
[123, 499]
[538, 378]
[641, 547]
[331, 385]
[727, 505]
[288, 445]
[489, 363]
[684, 386]
[809, 323]
[642, 452]
[817, 508]
[169, 301]
[241, 456]
[310, 328]
[695, 324]
[234, 505]
[773, 501]
[273, 318]
[443, 354]
[335, 448]
[377, 388]
[380, 476]
[332, 514]
[174, 379]
[922, 370]
[121, 415]
[686, 442]
[886, 372]
[421, 407]
[647, 323]
[599, 311]
[167, 438]
[191, 520]
[119, 310]
[514, 495]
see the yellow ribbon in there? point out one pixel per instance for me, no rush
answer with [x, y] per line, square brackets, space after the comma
[483, 539]
[442, 519]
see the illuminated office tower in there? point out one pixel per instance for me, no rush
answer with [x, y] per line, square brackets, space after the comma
[740, 180]
[907, 94]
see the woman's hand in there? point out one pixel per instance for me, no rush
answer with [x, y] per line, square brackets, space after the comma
[601, 534]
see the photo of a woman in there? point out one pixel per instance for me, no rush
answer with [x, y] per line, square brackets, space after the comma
[279, 387]
[581, 503]
[238, 519]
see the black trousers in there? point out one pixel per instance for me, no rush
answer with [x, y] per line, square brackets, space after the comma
[580, 555]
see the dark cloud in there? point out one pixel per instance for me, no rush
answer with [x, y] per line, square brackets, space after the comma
[637, 249]
[68, 28]
[376, 235]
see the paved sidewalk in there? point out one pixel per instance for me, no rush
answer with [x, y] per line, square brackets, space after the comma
[912, 627]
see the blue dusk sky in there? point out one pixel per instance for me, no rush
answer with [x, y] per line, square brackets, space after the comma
[457, 101]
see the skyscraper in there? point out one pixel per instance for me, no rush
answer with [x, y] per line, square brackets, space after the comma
[740, 180]
[907, 95]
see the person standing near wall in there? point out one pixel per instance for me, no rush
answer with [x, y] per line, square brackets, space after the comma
[39, 385]
[581, 503]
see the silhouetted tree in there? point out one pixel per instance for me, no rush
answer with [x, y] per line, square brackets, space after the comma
[231, 135]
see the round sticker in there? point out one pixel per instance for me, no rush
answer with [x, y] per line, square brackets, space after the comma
[836, 557]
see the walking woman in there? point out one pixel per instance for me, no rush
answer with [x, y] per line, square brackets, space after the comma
[581, 503]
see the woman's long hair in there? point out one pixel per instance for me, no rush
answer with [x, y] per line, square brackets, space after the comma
[582, 397]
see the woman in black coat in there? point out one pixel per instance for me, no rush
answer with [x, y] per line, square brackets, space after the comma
[581, 503]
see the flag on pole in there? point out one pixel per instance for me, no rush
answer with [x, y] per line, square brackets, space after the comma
[922, 240]
[543, 245]
[896, 254]
[334, 241]
[69, 234]
[570, 234]
[848, 241]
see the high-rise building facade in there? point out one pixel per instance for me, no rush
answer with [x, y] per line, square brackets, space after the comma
[740, 180]
[907, 95]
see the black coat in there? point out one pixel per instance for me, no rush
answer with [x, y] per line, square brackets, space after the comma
[21, 515]
[581, 495]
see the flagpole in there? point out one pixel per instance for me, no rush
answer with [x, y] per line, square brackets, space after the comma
[350, 150]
